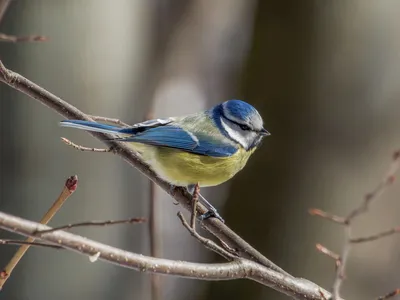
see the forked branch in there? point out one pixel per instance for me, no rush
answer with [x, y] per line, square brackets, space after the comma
[239, 268]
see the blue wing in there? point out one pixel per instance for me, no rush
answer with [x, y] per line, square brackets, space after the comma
[178, 138]
[161, 133]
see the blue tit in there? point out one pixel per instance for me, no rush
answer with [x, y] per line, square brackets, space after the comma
[207, 148]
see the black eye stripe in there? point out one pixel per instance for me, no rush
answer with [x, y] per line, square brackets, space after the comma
[244, 127]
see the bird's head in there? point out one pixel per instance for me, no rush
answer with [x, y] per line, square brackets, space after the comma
[241, 122]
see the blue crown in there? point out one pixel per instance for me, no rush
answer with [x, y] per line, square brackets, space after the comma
[238, 109]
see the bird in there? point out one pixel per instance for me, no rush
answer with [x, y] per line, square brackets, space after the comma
[205, 148]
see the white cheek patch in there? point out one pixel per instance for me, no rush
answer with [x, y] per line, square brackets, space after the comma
[236, 135]
[250, 138]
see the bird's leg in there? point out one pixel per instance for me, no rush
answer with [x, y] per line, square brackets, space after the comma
[195, 199]
[212, 211]
[172, 192]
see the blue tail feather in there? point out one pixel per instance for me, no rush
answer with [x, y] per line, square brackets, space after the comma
[93, 126]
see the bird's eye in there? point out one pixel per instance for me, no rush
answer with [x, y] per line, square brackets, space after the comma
[244, 127]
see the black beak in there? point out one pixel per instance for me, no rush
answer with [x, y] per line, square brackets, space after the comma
[264, 132]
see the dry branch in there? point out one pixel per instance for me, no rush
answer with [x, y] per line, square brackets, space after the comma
[376, 236]
[297, 288]
[390, 295]
[3, 7]
[17, 39]
[85, 149]
[347, 221]
[68, 189]
[91, 223]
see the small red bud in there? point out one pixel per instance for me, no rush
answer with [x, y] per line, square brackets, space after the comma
[72, 183]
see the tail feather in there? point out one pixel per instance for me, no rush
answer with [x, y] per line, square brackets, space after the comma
[92, 126]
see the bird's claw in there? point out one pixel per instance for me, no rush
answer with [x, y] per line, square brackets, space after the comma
[211, 214]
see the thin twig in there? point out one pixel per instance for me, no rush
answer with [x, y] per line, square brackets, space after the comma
[82, 148]
[390, 295]
[20, 243]
[229, 249]
[327, 252]
[376, 236]
[326, 215]
[109, 120]
[206, 242]
[3, 7]
[297, 288]
[90, 223]
[341, 265]
[17, 39]
[378, 191]
[69, 187]
[373, 196]
[213, 225]
[4, 4]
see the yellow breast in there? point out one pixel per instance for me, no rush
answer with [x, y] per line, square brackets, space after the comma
[182, 168]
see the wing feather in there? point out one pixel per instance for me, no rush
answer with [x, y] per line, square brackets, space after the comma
[178, 138]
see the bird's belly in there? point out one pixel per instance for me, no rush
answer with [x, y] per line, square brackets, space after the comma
[183, 168]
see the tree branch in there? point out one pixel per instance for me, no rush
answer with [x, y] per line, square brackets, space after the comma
[4, 4]
[376, 236]
[3, 7]
[297, 288]
[91, 223]
[209, 244]
[16, 39]
[213, 225]
[362, 208]
[69, 188]
[390, 295]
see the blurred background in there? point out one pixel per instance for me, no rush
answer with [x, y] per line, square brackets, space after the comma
[324, 76]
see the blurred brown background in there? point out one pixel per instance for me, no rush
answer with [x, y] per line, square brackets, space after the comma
[323, 74]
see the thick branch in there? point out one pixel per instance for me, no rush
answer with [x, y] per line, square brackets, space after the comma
[241, 268]
[65, 109]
